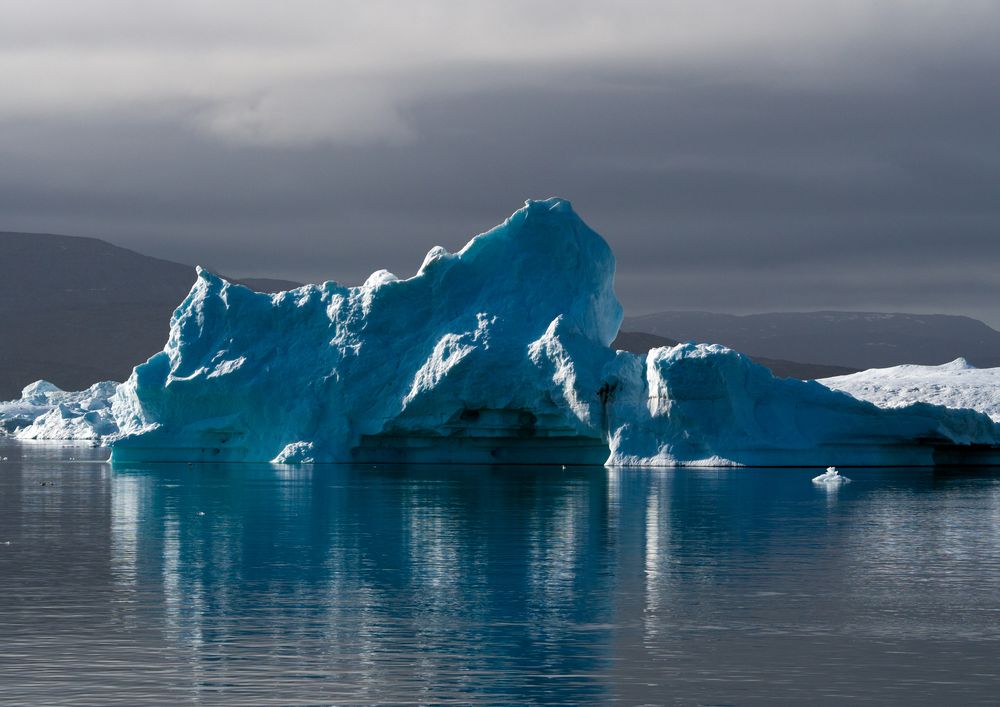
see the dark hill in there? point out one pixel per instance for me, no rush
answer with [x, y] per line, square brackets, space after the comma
[79, 310]
[640, 343]
[854, 339]
[268, 284]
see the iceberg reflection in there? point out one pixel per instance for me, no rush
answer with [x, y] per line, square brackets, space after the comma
[369, 576]
[355, 584]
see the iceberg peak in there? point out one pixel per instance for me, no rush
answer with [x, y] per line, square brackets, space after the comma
[38, 388]
[959, 364]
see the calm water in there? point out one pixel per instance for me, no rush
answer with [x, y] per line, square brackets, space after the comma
[244, 583]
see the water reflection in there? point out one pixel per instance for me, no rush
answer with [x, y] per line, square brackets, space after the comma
[415, 578]
[361, 584]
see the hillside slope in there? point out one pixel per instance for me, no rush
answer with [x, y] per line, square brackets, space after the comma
[640, 343]
[80, 310]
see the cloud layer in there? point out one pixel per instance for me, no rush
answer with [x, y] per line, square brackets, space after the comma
[840, 156]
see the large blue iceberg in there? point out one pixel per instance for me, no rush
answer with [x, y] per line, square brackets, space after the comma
[497, 353]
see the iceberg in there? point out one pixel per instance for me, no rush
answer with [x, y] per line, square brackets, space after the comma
[46, 412]
[707, 405]
[958, 384]
[502, 341]
[497, 353]
[831, 477]
[35, 400]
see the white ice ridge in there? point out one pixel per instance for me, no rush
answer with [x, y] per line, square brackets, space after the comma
[955, 385]
[831, 477]
[496, 353]
[45, 411]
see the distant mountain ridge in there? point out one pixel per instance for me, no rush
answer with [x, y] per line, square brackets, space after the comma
[857, 340]
[640, 342]
[81, 310]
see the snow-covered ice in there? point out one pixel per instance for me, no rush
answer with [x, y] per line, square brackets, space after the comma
[499, 352]
[46, 412]
[36, 399]
[955, 385]
[831, 477]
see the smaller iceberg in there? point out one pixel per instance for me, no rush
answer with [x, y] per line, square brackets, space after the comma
[957, 385]
[46, 412]
[36, 399]
[831, 477]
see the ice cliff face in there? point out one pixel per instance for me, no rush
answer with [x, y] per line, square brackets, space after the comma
[496, 353]
[47, 412]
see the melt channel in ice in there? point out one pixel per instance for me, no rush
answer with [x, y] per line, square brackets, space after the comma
[496, 353]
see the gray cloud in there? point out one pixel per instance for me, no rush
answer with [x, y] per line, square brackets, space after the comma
[782, 156]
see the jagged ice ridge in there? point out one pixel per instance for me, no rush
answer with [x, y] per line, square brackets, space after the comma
[499, 352]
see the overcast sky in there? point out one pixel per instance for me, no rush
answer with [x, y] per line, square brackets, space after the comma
[742, 156]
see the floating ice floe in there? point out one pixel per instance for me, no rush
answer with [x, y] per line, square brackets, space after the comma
[831, 477]
[497, 353]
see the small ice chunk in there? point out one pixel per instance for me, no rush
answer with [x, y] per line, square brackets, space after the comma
[831, 477]
[295, 453]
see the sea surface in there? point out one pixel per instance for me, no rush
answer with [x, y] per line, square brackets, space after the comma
[253, 584]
